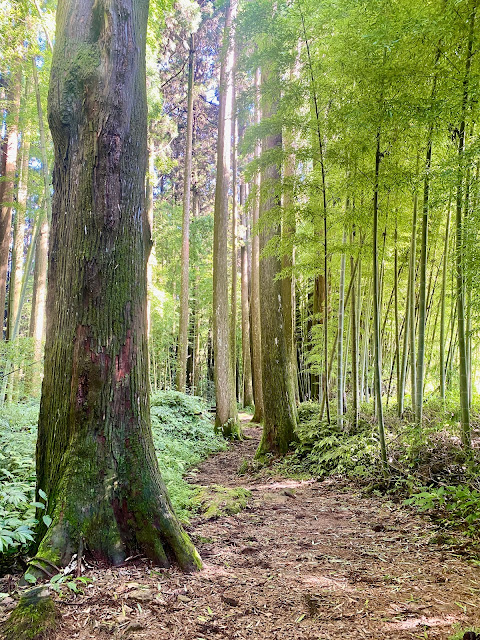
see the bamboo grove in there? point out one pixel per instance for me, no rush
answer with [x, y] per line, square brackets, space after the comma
[314, 193]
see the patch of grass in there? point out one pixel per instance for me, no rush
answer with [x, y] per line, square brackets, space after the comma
[216, 501]
[461, 634]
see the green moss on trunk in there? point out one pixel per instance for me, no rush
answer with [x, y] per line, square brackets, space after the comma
[95, 455]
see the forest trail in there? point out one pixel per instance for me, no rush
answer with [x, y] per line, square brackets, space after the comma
[305, 560]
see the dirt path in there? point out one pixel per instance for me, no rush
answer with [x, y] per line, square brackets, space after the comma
[305, 560]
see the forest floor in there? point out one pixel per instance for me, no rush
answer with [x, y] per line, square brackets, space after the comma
[304, 560]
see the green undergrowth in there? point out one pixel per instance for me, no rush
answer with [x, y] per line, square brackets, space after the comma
[18, 433]
[183, 436]
[427, 468]
[468, 634]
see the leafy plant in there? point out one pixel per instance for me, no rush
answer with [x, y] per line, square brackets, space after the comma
[456, 505]
[182, 433]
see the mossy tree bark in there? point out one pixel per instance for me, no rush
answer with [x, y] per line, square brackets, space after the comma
[280, 414]
[95, 454]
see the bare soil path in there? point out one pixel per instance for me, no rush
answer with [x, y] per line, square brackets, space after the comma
[305, 560]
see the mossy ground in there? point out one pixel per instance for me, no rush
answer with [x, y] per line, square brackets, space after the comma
[34, 618]
[215, 501]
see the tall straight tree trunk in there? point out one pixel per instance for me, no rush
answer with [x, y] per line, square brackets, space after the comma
[185, 257]
[226, 419]
[422, 307]
[19, 232]
[403, 367]
[355, 354]
[95, 455]
[234, 256]
[341, 315]
[314, 96]
[280, 415]
[413, 253]
[197, 311]
[255, 296]
[39, 248]
[459, 250]
[422, 310]
[288, 282]
[39, 301]
[8, 186]
[442, 309]
[397, 330]
[376, 310]
[246, 351]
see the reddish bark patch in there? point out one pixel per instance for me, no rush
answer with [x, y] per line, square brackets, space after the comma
[123, 362]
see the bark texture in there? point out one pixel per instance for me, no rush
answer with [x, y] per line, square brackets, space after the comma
[280, 413]
[95, 454]
[226, 419]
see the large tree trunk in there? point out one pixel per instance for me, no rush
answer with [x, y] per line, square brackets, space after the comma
[280, 415]
[187, 184]
[95, 455]
[226, 419]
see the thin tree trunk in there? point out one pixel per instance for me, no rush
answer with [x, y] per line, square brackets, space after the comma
[288, 282]
[313, 91]
[19, 229]
[376, 309]
[459, 250]
[413, 253]
[246, 351]
[423, 266]
[255, 297]
[442, 313]
[353, 313]
[185, 259]
[403, 368]
[234, 279]
[8, 185]
[341, 314]
[397, 333]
